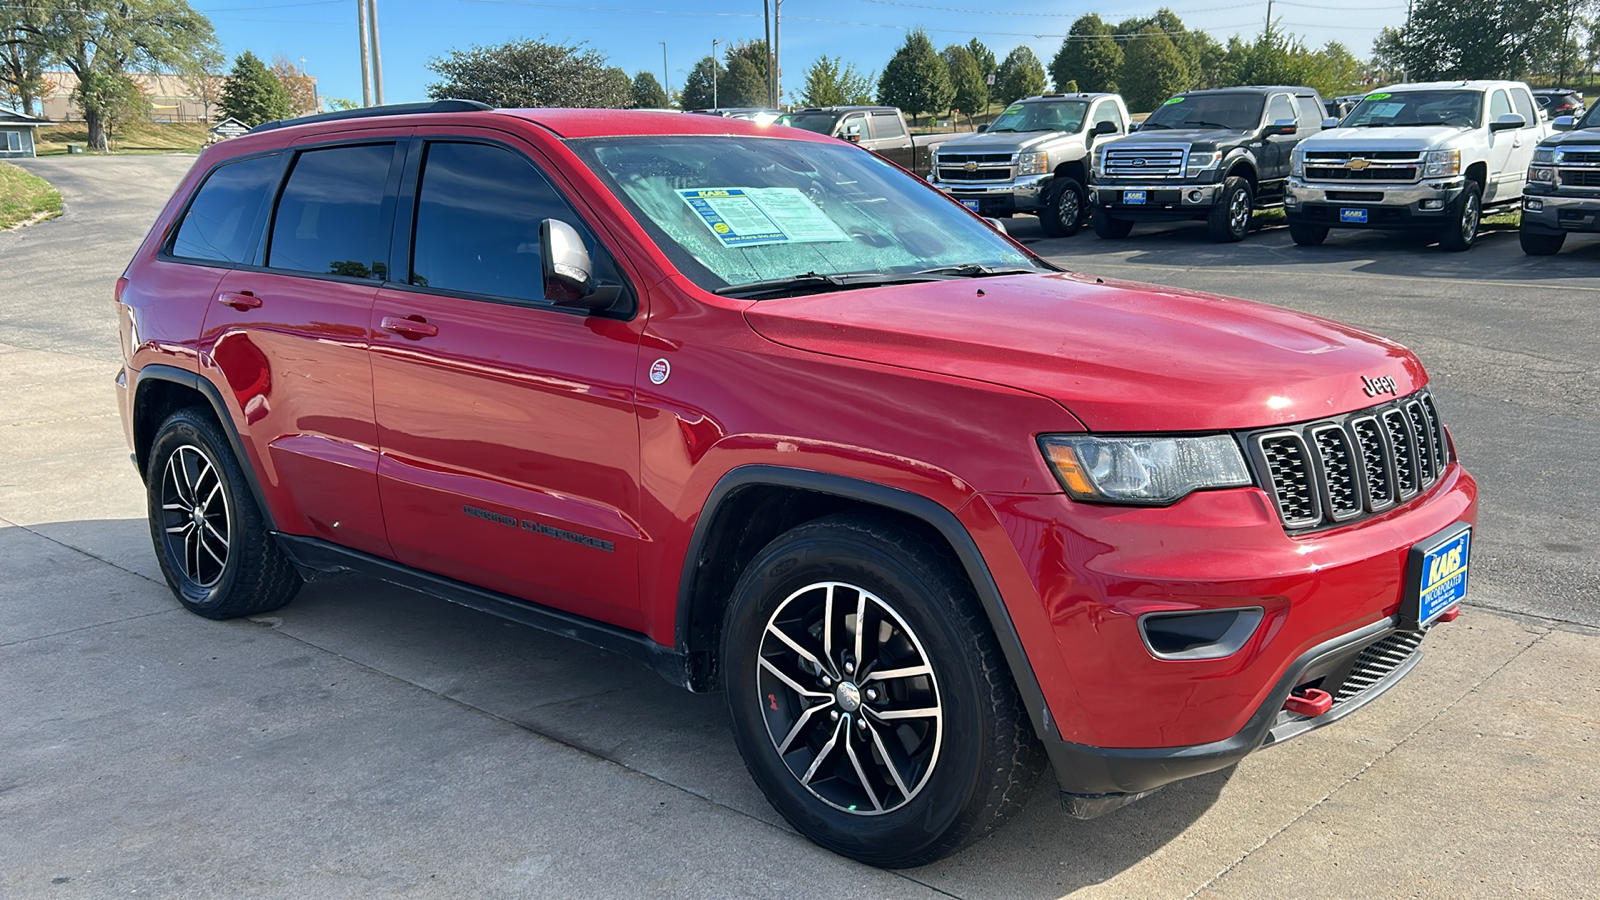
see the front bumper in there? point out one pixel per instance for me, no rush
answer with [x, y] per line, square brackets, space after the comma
[1550, 214]
[1025, 194]
[1163, 200]
[1426, 204]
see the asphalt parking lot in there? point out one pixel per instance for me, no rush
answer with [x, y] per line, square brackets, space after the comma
[369, 742]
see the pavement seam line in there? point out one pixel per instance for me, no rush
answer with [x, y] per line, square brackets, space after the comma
[55, 634]
[5, 521]
[1370, 763]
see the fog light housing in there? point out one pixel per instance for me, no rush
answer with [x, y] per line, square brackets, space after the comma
[1199, 634]
[1194, 196]
[1433, 204]
[1532, 205]
[1291, 200]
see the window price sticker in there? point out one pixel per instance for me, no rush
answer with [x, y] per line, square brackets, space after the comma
[749, 217]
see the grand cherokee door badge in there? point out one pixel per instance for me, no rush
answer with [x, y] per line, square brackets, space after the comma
[571, 537]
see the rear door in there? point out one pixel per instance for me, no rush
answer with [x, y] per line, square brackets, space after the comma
[1502, 150]
[1528, 138]
[509, 438]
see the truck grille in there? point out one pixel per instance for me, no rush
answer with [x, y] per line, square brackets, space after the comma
[1577, 158]
[1166, 161]
[1376, 661]
[1380, 165]
[985, 166]
[1349, 467]
[1580, 177]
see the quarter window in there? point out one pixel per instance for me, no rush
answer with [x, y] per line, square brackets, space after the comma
[331, 220]
[1524, 107]
[223, 218]
[886, 125]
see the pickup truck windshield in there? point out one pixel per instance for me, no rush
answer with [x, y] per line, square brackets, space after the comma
[1463, 109]
[820, 122]
[1234, 112]
[731, 211]
[1591, 119]
[1042, 115]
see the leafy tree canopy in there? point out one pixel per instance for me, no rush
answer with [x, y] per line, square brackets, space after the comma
[832, 82]
[1021, 75]
[252, 94]
[530, 73]
[648, 93]
[915, 78]
[970, 94]
[697, 89]
[1088, 56]
[1153, 70]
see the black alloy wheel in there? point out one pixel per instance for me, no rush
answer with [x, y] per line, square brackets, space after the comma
[1065, 208]
[1229, 220]
[1463, 232]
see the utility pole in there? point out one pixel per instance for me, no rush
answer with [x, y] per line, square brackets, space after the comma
[1268, 29]
[777, 56]
[666, 79]
[377, 54]
[366, 65]
[766, 23]
[714, 104]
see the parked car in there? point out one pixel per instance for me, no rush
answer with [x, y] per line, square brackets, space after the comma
[881, 129]
[1429, 156]
[758, 114]
[1558, 102]
[1033, 158]
[1211, 155]
[1563, 190]
[776, 419]
[1339, 107]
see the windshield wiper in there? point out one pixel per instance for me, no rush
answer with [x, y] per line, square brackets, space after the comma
[973, 270]
[1146, 125]
[815, 282]
[1001, 131]
[1205, 124]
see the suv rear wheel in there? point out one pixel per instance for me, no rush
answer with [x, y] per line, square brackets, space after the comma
[211, 539]
[1063, 212]
[1230, 218]
[1307, 235]
[869, 699]
[1469, 211]
[1542, 244]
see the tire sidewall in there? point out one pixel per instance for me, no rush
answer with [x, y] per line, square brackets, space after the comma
[188, 429]
[1232, 187]
[1051, 220]
[944, 799]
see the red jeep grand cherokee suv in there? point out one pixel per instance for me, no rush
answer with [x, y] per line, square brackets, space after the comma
[766, 413]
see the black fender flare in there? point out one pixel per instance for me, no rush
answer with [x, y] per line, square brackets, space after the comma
[915, 505]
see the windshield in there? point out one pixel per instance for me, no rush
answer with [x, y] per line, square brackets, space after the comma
[1591, 119]
[1042, 115]
[820, 122]
[1235, 112]
[734, 211]
[1459, 108]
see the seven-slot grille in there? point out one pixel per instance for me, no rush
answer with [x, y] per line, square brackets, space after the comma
[1580, 177]
[1577, 158]
[1333, 471]
[1381, 165]
[985, 166]
[1145, 161]
[1376, 661]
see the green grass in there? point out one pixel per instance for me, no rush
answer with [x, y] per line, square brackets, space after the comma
[25, 198]
[135, 137]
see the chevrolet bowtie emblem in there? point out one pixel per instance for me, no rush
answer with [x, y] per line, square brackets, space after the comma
[971, 167]
[1357, 164]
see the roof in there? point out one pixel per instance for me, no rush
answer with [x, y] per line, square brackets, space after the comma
[584, 123]
[844, 109]
[1297, 90]
[9, 117]
[1080, 95]
[1480, 85]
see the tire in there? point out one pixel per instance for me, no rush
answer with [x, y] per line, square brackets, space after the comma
[957, 773]
[1307, 235]
[1469, 211]
[1064, 211]
[220, 563]
[1541, 244]
[1109, 228]
[1229, 220]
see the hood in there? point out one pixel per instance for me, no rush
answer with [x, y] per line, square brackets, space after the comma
[1007, 142]
[1120, 356]
[1581, 137]
[1184, 136]
[1421, 137]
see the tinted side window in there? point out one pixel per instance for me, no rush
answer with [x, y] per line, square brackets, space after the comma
[1311, 112]
[478, 214]
[886, 125]
[1524, 106]
[1279, 108]
[856, 124]
[223, 217]
[1108, 112]
[331, 219]
[1499, 105]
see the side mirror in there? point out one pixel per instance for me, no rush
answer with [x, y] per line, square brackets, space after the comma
[568, 273]
[1564, 123]
[1106, 128]
[982, 128]
[1508, 122]
[1330, 122]
[997, 225]
[1281, 127]
[853, 137]
[1134, 126]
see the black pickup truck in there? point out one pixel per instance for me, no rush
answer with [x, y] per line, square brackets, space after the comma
[1214, 155]
[881, 129]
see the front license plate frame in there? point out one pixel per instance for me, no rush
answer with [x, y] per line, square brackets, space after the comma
[1135, 198]
[1352, 215]
[973, 205]
[1436, 576]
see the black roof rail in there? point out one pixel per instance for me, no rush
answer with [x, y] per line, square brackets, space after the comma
[395, 109]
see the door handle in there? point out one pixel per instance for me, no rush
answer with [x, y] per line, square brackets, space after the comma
[242, 300]
[411, 327]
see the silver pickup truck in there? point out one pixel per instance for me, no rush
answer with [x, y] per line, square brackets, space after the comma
[1034, 158]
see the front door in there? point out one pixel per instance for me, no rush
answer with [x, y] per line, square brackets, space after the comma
[509, 440]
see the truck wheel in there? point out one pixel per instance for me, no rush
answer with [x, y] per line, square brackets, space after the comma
[1307, 235]
[1469, 210]
[1110, 228]
[1063, 212]
[1542, 244]
[1230, 218]
[211, 540]
[869, 698]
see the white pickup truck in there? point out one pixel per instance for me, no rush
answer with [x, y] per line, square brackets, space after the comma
[1429, 156]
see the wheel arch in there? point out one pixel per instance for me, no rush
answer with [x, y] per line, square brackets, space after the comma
[1244, 166]
[751, 505]
[1479, 172]
[1075, 169]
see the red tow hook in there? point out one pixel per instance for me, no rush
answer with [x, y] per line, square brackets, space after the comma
[1311, 702]
[1449, 615]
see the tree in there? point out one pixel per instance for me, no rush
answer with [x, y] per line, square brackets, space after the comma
[302, 89]
[1152, 70]
[697, 89]
[202, 75]
[1389, 54]
[22, 54]
[970, 94]
[118, 97]
[527, 73]
[915, 78]
[831, 82]
[1089, 56]
[744, 85]
[253, 95]
[755, 53]
[114, 37]
[1466, 39]
[987, 66]
[1021, 75]
[647, 92]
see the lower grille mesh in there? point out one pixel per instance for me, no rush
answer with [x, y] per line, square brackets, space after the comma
[1377, 661]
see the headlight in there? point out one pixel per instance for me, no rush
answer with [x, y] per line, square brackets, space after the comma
[1033, 162]
[1544, 155]
[1297, 163]
[1151, 471]
[1442, 162]
[1541, 174]
[1098, 160]
[1203, 161]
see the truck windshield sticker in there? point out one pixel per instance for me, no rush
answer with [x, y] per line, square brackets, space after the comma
[1384, 110]
[1172, 101]
[1379, 96]
[748, 217]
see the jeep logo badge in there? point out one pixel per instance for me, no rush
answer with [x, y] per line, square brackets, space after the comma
[1357, 164]
[1383, 384]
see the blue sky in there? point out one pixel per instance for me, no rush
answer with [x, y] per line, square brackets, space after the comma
[629, 32]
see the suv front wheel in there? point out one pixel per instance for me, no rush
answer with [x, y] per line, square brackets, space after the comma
[869, 698]
[211, 539]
